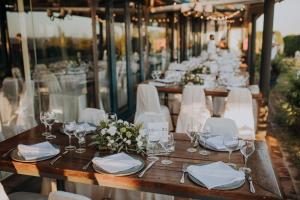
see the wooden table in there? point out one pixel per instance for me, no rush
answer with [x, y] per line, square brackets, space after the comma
[159, 179]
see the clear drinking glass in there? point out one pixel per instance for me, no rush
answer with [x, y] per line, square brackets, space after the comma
[42, 119]
[169, 147]
[69, 128]
[205, 133]
[247, 150]
[192, 132]
[231, 144]
[80, 135]
[50, 120]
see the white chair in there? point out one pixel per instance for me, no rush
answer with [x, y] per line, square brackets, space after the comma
[149, 117]
[148, 101]
[92, 115]
[58, 195]
[193, 108]
[221, 126]
[239, 108]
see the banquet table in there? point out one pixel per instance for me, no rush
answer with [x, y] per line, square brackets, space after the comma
[160, 178]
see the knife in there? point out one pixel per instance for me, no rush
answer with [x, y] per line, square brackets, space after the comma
[148, 167]
[252, 189]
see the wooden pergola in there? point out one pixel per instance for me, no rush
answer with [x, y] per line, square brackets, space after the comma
[147, 9]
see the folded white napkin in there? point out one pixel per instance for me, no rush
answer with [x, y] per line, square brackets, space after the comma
[35, 151]
[72, 126]
[215, 174]
[215, 142]
[116, 162]
[158, 84]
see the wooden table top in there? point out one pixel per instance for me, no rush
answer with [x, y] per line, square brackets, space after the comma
[159, 179]
[220, 92]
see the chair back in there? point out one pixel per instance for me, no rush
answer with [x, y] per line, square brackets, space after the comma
[11, 89]
[60, 195]
[239, 108]
[92, 115]
[150, 117]
[221, 126]
[147, 100]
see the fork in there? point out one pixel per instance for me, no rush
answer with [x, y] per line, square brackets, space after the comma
[88, 164]
[58, 157]
[184, 170]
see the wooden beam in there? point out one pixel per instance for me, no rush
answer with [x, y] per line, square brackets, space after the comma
[251, 49]
[141, 42]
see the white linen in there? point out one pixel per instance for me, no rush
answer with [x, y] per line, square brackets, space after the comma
[193, 108]
[92, 115]
[116, 162]
[35, 151]
[158, 84]
[216, 142]
[215, 174]
[221, 126]
[239, 108]
[60, 195]
[147, 100]
[3, 195]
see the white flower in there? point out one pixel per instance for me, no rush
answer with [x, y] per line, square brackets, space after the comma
[111, 141]
[112, 130]
[128, 142]
[126, 123]
[124, 139]
[140, 143]
[120, 121]
[103, 131]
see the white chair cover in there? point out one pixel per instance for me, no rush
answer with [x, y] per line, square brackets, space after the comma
[193, 108]
[239, 108]
[60, 195]
[92, 115]
[26, 196]
[3, 195]
[149, 117]
[148, 101]
[221, 126]
[11, 89]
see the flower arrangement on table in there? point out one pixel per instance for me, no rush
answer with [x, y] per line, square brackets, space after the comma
[192, 78]
[117, 136]
[201, 70]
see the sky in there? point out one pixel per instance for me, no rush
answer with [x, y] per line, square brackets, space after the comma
[286, 18]
[286, 21]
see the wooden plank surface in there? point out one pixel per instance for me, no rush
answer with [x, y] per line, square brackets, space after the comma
[159, 179]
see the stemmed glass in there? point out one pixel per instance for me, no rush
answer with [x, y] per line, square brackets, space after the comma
[42, 119]
[205, 134]
[247, 150]
[69, 128]
[192, 132]
[80, 135]
[169, 147]
[231, 143]
[50, 120]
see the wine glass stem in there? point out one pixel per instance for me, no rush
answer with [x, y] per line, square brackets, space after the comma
[70, 140]
[246, 159]
[229, 156]
[50, 129]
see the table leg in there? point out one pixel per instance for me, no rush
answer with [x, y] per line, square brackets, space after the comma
[60, 185]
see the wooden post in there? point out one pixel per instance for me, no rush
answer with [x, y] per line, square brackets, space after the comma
[182, 35]
[251, 49]
[265, 67]
[172, 27]
[200, 37]
[128, 49]
[111, 53]
[141, 42]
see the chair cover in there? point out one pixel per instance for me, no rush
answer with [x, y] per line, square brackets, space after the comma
[27, 196]
[11, 89]
[221, 126]
[92, 115]
[3, 195]
[149, 117]
[239, 108]
[148, 101]
[60, 195]
[193, 108]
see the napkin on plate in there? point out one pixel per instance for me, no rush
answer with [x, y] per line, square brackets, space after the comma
[215, 142]
[35, 151]
[72, 126]
[215, 174]
[116, 162]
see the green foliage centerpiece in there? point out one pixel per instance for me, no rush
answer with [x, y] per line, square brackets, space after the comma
[117, 136]
[194, 76]
[201, 70]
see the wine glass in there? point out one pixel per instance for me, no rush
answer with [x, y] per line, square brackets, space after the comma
[192, 132]
[169, 147]
[42, 119]
[205, 133]
[80, 135]
[231, 143]
[50, 120]
[247, 150]
[69, 128]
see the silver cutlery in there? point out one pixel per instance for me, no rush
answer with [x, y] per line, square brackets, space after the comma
[88, 164]
[252, 189]
[8, 152]
[148, 167]
[184, 170]
[58, 157]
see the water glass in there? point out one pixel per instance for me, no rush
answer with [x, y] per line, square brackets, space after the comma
[192, 132]
[231, 143]
[50, 120]
[68, 129]
[169, 147]
[42, 119]
[80, 135]
[247, 150]
[205, 133]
